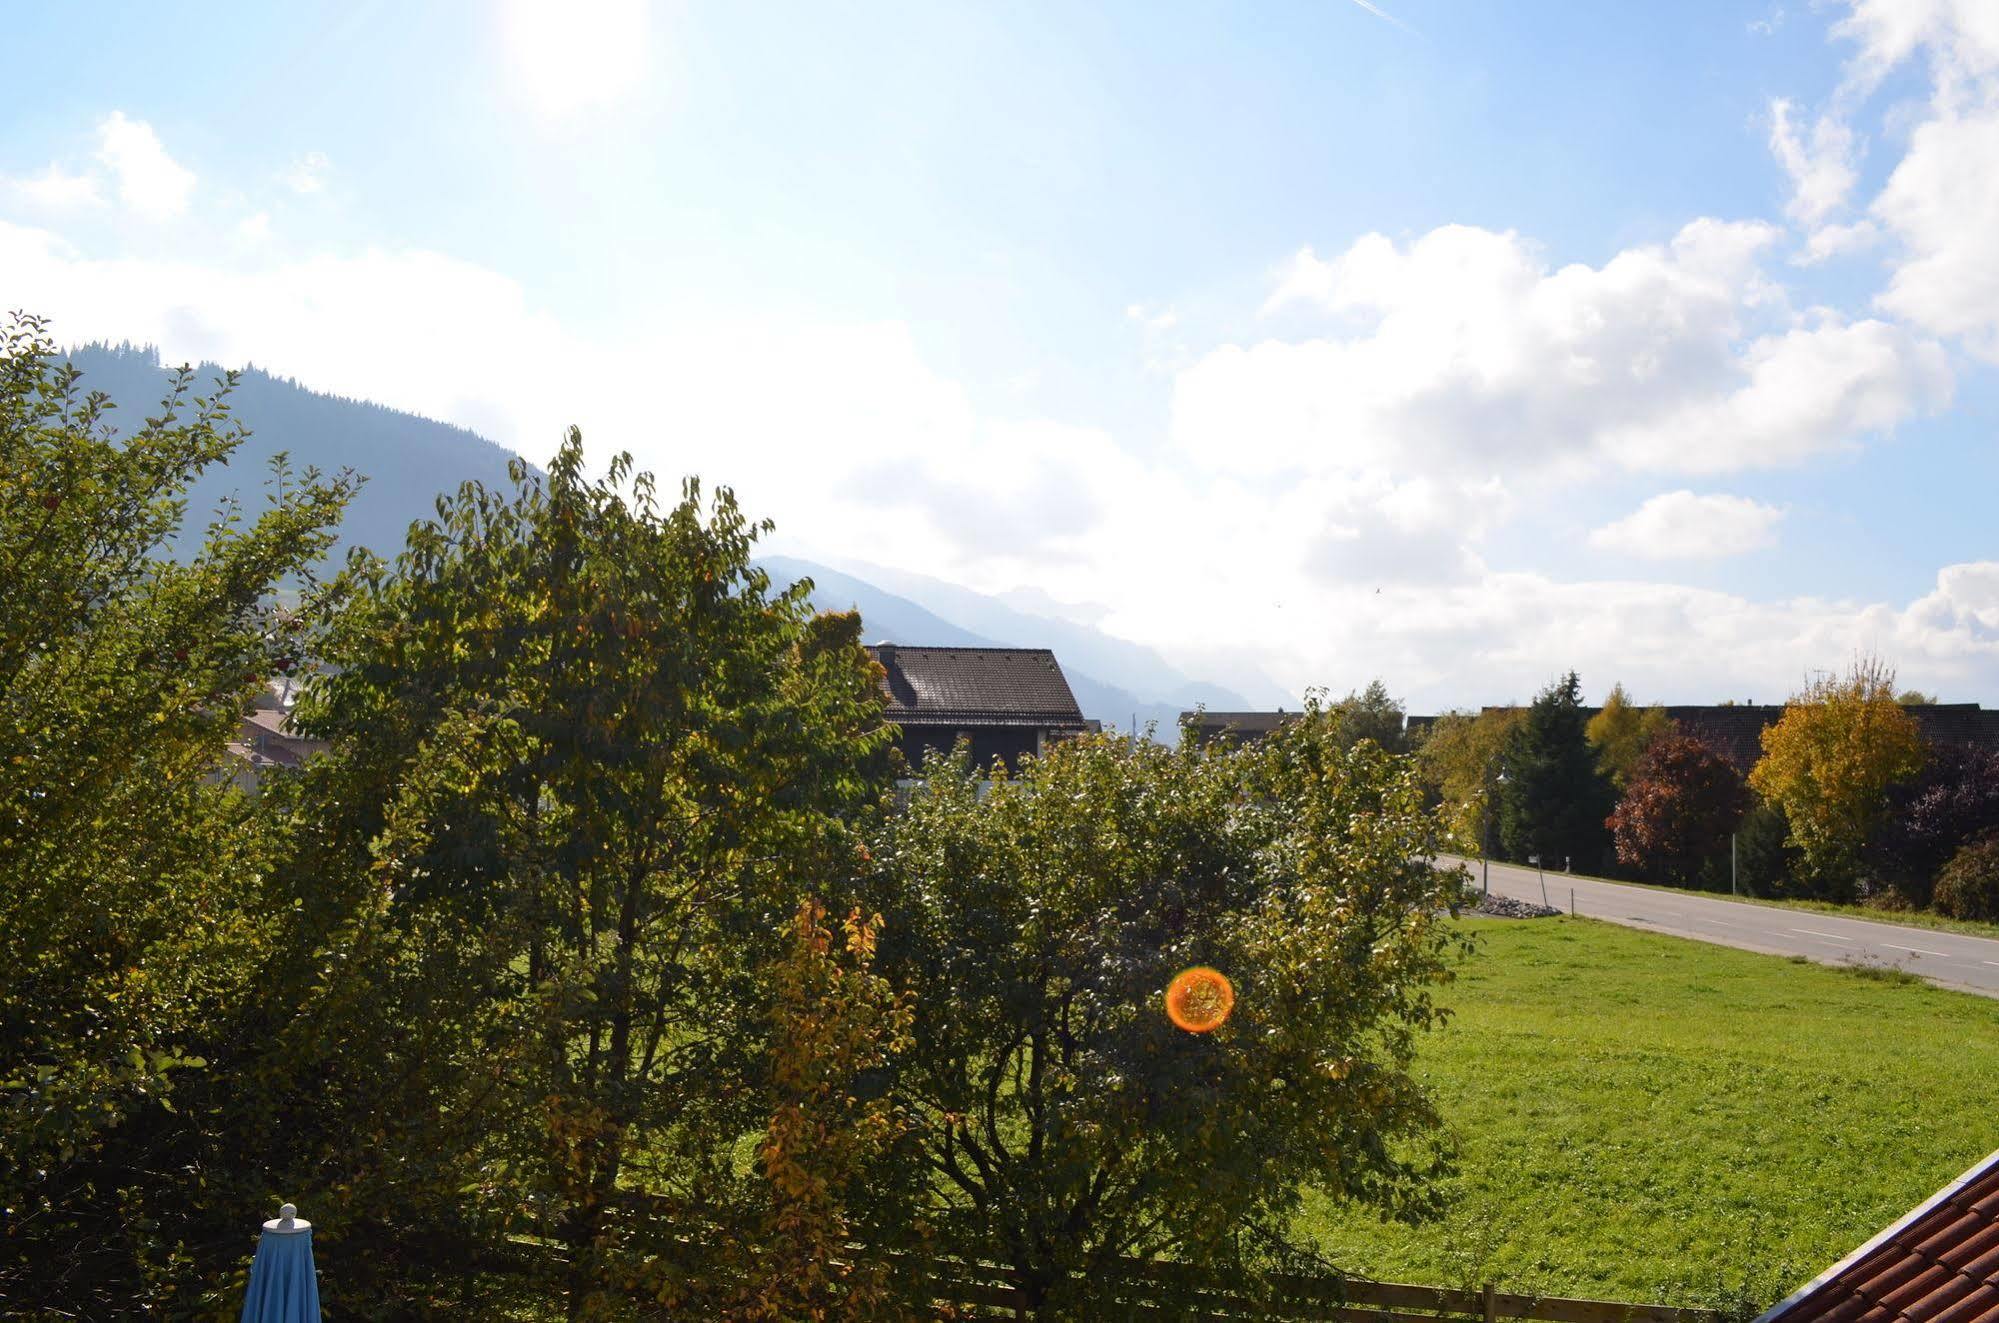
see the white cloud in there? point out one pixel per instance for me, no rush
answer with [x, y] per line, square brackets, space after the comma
[1150, 319]
[150, 182]
[575, 56]
[1681, 525]
[1468, 354]
[1940, 207]
[255, 227]
[1821, 169]
[1507, 634]
[308, 173]
[55, 190]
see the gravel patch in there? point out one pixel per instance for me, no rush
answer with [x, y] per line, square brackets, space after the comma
[1504, 907]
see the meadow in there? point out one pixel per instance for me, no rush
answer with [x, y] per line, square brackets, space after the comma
[1651, 1119]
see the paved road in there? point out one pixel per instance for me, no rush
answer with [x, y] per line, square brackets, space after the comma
[1968, 963]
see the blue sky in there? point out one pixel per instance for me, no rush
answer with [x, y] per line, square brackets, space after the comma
[1460, 344]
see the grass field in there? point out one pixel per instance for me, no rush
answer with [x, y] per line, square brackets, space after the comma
[1646, 1118]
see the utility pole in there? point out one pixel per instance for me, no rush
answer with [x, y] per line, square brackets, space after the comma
[1731, 866]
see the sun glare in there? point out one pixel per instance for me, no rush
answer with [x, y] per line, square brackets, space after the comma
[1199, 999]
[576, 54]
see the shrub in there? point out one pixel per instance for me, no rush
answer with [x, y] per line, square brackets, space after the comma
[1953, 800]
[1968, 887]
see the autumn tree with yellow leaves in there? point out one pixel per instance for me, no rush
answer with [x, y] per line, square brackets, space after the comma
[1828, 764]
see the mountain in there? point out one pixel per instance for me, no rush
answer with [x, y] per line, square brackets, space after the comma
[408, 461]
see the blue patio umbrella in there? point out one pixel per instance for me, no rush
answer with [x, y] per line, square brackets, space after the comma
[284, 1286]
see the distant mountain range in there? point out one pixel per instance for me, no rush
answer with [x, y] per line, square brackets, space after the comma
[409, 461]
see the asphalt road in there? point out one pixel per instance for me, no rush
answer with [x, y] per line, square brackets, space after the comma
[1951, 959]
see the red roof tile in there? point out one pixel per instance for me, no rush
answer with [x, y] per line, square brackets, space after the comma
[1940, 1264]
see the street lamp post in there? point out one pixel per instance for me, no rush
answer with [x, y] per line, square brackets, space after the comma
[1485, 832]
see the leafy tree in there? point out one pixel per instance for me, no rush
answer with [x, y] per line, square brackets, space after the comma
[1370, 714]
[1915, 698]
[1766, 862]
[578, 735]
[1968, 887]
[133, 913]
[1620, 733]
[1554, 801]
[1065, 1120]
[1683, 801]
[1953, 800]
[1460, 760]
[1828, 764]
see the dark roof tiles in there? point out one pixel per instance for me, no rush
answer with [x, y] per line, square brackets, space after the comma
[1940, 1264]
[976, 686]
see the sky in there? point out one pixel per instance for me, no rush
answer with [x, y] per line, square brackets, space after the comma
[1307, 343]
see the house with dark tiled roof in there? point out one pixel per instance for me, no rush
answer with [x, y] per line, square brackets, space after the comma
[1243, 727]
[1008, 702]
[1939, 1264]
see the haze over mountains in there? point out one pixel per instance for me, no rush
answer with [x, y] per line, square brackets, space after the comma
[409, 460]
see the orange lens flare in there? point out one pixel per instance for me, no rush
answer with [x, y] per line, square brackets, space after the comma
[1199, 999]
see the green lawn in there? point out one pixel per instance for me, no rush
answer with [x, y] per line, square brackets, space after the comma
[1647, 1118]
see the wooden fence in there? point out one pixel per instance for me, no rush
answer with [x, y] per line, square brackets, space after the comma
[1151, 1289]
[1161, 1290]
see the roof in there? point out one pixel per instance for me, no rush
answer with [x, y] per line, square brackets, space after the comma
[1240, 725]
[976, 687]
[1939, 1264]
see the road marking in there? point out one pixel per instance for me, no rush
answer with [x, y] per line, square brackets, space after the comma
[1993, 963]
[1813, 932]
[1917, 950]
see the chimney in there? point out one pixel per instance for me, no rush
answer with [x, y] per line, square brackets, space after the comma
[885, 653]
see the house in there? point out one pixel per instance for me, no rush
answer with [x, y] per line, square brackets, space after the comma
[1008, 702]
[265, 739]
[1246, 727]
[1939, 1264]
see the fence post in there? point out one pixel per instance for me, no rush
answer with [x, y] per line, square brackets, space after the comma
[1490, 1307]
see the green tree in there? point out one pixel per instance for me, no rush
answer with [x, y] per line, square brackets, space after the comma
[1066, 1121]
[134, 913]
[1554, 801]
[1682, 802]
[1460, 759]
[580, 734]
[1620, 733]
[1828, 764]
[1370, 714]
